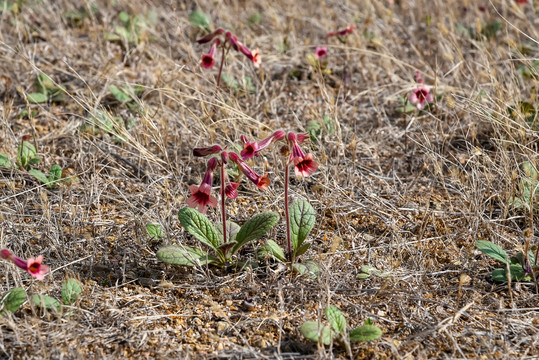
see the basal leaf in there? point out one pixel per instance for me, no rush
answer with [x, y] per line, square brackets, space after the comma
[12, 300]
[307, 267]
[155, 231]
[232, 230]
[365, 333]
[5, 161]
[255, 228]
[37, 98]
[199, 226]
[119, 94]
[45, 301]
[313, 331]
[44, 83]
[124, 17]
[274, 250]
[55, 173]
[336, 319]
[302, 218]
[302, 249]
[492, 250]
[39, 175]
[498, 275]
[183, 255]
[71, 290]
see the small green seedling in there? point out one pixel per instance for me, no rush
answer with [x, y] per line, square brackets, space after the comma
[155, 231]
[128, 95]
[131, 29]
[12, 300]
[528, 188]
[46, 90]
[302, 218]
[317, 129]
[52, 180]
[200, 20]
[26, 153]
[201, 228]
[368, 271]
[71, 291]
[338, 330]
[518, 266]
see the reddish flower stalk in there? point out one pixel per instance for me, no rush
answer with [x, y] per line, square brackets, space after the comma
[349, 29]
[303, 166]
[34, 267]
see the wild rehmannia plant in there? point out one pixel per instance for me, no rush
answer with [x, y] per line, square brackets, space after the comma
[13, 299]
[227, 42]
[300, 216]
[228, 237]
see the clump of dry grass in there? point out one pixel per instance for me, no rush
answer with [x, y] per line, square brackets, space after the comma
[407, 193]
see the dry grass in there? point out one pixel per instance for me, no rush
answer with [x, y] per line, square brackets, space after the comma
[407, 193]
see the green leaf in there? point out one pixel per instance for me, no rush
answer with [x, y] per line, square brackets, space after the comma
[365, 333]
[199, 19]
[255, 228]
[302, 218]
[302, 249]
[5, 161]
[199, 226]
[307, 267]
[44, 83]
[492, 250]
[274, 250]
[12, 300]
[155, 231]
[336, 319]
[55, 173]
[498, 275]
[517, 274]
[184, 255]
[124, 17]
[45, 301]
[71, 290]
[120, 95]
[37, 98]
[232, 230]
[39, 175]
[255, 19]
[313, 331]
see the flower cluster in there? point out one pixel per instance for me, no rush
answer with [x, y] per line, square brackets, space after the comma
[421, 95]
[201, 195]
[228, 41]
[34, 267]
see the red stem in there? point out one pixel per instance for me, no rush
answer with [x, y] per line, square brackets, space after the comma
[223, 211]
[221, 68]
[288, 237]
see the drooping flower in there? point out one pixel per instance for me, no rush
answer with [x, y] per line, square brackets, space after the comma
[251, 149]
[214, 149]
[208, 59]
[262, 181]
[201, 195]
[304, 165]
[34, 267]
[521, 2]
[349, 29]
[421, 96]
[210, 36]
[320, 52]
